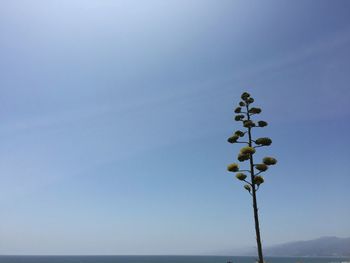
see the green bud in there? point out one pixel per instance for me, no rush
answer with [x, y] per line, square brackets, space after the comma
[265, 141]
[247, 150]
[258, 180]
[247, 187]
[250, 100]
[239, 133]
[255, 110]
[238, 110]
[245, 95]
[262, 123]
[233, 167]
[243, 157]
[233, 139]
[269, 161]
[239, 117]
[241, 176]
[241, 103]
[261, 167]
[248, 124]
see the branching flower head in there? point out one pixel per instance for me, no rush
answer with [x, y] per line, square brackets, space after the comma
[248, 124]
[239, 117]
[241, 176]
[264, 141]
[262, 123]
[245, 95]
[269, 161]
[238, 110]
[233, 167]
[247, 187]
[261, 167]
[258, 180]
[250, 100]
[243, 157]
[239, 133]
[255, 110]
[247, 150]
[233, 138]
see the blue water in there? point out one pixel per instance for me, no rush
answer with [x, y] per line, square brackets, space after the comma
[160, 259]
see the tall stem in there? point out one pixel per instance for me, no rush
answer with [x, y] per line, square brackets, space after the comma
[255, 205]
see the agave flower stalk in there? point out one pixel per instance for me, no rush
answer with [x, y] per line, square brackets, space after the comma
[245, 112]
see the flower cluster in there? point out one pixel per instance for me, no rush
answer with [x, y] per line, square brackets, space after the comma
[244, 113]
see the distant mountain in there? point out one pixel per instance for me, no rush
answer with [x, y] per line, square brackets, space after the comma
[321, 247]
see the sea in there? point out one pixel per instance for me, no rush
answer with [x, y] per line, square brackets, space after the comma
[164, 259]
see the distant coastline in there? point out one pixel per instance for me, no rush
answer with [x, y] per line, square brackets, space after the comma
[162, 259]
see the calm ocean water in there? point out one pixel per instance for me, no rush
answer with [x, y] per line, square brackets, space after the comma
[160, 259]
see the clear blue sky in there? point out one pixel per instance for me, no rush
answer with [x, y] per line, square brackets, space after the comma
[115, 114]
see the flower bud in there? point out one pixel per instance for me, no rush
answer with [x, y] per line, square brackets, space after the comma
[239, 117]
[269, 161]
[248, 124]
[247, 150]
[241, 176]
[241, 103]
[243, 157]
[262, 123]
[258, 180]
[255, 110]
[250, 100]
[247, 187]
[261, 167]
[265, 141]
[233, 139]
[238, 110]
[245, 95]
[239, 133]
[233, 167]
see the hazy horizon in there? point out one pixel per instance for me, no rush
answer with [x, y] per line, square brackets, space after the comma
[115, 115]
